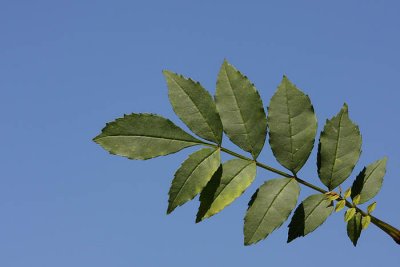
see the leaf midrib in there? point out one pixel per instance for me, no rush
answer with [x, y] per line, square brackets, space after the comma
[272, 202]
[233, 177]
[201, 113]
[336, 150]
[191, 173]
[367, 177]
[240, 111]
[150, 136]
[290, 128]
[314, 208]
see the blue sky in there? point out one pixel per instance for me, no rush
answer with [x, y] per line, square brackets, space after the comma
[68, 67]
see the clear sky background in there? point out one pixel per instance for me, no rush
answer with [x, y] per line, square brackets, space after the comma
[68, 67]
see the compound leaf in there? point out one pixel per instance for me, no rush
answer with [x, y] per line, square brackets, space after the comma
[354, 228]
[309, 215]
[194, 106]
[223, 189]
[339, 149]
[269, 207]
[144, 136]
[369, 181]
[241, 110]
[192, 176]
[292, 126]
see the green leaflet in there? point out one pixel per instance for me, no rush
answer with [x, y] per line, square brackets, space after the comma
[225, 187]
[369, 181]
[195, 106]
[269, 208]
[356, 199]
[192, 176]
[292, 126]
[241, 110]
[340, 205]
[371, 207]
[347, 193]
[339, 149]
[349, 214]
[365, 221]
[354, 228]
[144, 136]
[309, 215]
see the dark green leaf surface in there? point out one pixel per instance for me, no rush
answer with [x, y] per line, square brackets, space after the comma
[222, 190]
[241, 110]
[354, 228]
[292, 126]
[309, 215]
[195, 106]
[339, 149]
[369, 181]
[144, 136]
[269, 208]
[192, 176]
